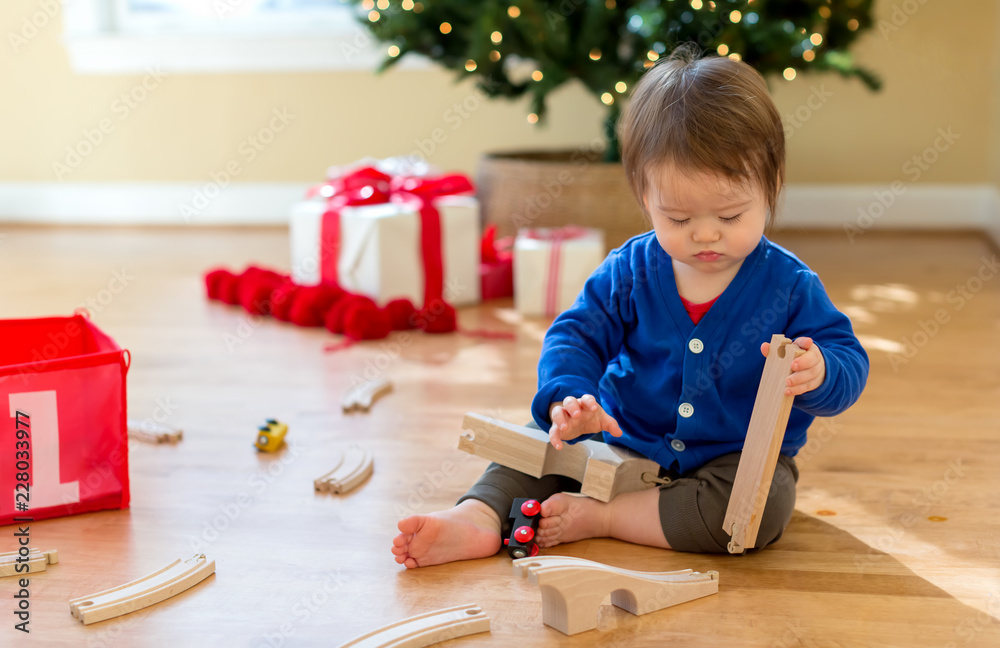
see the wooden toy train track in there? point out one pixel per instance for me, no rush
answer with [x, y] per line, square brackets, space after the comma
[426, 629]
[36, 561]
[353, 467]
[173, 579]
[603, 470]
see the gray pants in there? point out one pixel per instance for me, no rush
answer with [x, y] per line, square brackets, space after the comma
[692, 505]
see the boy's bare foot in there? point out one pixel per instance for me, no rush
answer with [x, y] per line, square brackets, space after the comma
[469, 530]
[568, 518]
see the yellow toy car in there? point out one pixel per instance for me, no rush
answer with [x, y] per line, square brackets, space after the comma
[270, 436]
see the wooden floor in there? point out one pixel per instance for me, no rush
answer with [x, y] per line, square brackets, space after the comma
[895, 540]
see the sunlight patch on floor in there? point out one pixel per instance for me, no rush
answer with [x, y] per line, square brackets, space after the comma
[894, 538]
[886, 298]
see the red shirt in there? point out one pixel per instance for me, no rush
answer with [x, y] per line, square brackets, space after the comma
[697, 311]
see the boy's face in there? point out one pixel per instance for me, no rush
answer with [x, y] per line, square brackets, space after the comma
[704, 221]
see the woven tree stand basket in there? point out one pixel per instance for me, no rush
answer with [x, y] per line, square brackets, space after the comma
[555, 188]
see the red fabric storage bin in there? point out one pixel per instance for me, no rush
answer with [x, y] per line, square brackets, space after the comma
[63, 381]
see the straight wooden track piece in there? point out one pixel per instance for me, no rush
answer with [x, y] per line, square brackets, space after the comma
[362, 395]
[353, 467]
[760, 452]
[426, 629]
[573, 589]
[153, 432]
[173, 579]
[603, 470]
[36, 560]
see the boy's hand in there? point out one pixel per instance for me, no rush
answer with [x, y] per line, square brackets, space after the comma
[579, 416]
[808, 370]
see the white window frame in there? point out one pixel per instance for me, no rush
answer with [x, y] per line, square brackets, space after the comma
[97, 44]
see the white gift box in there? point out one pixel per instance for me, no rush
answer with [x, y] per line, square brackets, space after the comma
[380, 254]
[550, 269]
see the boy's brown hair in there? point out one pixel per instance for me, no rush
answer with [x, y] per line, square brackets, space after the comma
[711, 114]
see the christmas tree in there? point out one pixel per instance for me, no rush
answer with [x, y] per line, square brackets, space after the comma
[518, 47]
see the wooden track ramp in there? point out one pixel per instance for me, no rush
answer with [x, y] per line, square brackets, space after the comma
[573, 589]
[760, 452]
[173, 579]
[353, 467]
[362, 395]
[603, 470]
[37, 561]
[426, 629]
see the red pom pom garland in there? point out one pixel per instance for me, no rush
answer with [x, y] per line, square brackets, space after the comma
[437, 316]
[213, 282]
[401, 314]
[282, 299]
[264, 292]
[363, 320]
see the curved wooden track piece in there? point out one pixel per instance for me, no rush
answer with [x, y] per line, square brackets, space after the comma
[154, 433]
[760, 451]
[426, 629]
[603, 470]
[362, 395]
[173, 579]
[353, 467]
[36, 560]
[573, 589]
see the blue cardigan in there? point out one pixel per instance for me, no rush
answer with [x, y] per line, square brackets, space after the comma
[683, 394]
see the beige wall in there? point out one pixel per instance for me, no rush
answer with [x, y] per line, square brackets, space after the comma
[936, 70]
[940, 70]
[995, 108]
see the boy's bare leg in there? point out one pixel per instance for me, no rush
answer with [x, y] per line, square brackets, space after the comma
[633, 517]
[469, 530]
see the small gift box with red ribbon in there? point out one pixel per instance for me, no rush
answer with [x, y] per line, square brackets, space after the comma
[390, 237]
[551, 265]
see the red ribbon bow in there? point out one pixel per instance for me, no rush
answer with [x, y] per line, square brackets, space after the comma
[369, 186]
[494, 250]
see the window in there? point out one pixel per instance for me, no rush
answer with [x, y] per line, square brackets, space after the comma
[130, 36]
[232, 16]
